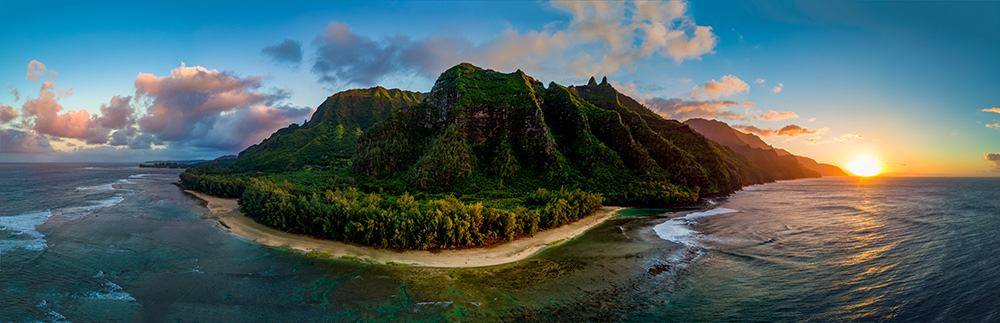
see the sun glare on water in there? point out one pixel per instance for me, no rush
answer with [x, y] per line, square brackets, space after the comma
[864, 167]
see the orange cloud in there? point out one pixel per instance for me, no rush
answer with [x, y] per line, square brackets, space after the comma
[993, 158]
[42, 113]
[600, 38]
[35, 69]
[684, 109]
[728, 85]
[7, 113]
[994, 110]
[789, 130]
[205, 108]
[774, 115]
[847, 136]
[777, 89]
[993, 125]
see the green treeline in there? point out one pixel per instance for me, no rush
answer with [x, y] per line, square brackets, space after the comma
[404, 222]
[390, 221]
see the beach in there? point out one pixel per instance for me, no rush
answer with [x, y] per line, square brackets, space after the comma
[226, 212]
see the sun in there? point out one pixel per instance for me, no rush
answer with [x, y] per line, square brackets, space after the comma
[864, 167]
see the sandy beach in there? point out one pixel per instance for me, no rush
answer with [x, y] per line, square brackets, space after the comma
[226, 212]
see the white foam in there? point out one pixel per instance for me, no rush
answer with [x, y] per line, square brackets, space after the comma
[107, 187]
[76, 212]
[110, 290]
[51, 315]
[19, 231]
[677, 230]
[715, 211]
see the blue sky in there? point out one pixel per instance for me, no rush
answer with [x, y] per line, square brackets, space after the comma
[909, 83]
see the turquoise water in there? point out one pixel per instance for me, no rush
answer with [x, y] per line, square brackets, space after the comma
[100, 243]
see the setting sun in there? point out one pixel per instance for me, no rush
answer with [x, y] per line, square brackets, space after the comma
[865, 167]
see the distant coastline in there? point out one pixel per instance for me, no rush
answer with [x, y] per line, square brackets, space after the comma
[226, 212]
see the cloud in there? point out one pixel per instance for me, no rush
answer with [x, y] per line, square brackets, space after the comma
[774, 115]
[23, 142]
[7, 113]
[685, 109]
[288, 51]
[777, 89]
[994, 110]
[601, 38]
[117, 114]
[810, 119]
[42, 114]
[14, 92]
[795, 130]
[993, 125]
[197, 107]
[993, 158]
[789, 130]
[35, 69]
[728, 85]
[847, 136]
[760, 82]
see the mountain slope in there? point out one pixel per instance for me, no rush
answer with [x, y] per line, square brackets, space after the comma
[330, 137]
[779, 163]
[480, 129]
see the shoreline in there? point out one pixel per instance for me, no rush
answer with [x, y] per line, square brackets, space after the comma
[226, 212]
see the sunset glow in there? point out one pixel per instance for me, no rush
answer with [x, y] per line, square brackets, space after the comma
[865, 167]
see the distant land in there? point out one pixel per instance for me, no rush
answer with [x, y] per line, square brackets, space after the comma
[482, 158]
[183, 164]
[783, 163]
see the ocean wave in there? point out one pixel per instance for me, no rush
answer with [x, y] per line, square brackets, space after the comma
[19, 231]
[76, 212]
[678, 229]
[51, 315]
[676, 232]
[109, 290]
[715, 211]
[108, 186]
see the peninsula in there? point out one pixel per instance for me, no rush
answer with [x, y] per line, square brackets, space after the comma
[482, 159]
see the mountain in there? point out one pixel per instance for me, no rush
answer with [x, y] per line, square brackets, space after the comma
[330, 137]
[823, 169]
[479, 130]
[778, 162]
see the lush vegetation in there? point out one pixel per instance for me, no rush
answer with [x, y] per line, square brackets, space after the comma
[483, 157]
[404, 222]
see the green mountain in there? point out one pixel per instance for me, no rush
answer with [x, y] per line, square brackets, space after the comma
[483, 157]
[330, 137]
[779, 163]
[480, 129]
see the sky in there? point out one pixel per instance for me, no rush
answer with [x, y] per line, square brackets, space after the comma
[911, 84]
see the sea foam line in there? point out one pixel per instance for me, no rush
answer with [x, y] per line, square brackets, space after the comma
[676, 230]
[19, 231]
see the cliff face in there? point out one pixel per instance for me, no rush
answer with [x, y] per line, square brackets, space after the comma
[778, 163]
[480, 128]
[330, 137]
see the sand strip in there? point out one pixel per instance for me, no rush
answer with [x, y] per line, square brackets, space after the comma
[226, 212]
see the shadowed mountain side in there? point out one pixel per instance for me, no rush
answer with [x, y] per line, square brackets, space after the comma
[777, 162]
[823, 169]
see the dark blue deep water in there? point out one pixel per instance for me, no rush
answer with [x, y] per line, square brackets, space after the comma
[110, 243]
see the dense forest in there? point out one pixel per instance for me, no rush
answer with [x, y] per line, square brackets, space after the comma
[483, 157]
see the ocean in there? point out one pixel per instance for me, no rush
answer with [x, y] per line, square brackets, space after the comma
[112, 243]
